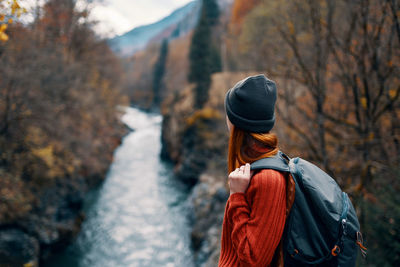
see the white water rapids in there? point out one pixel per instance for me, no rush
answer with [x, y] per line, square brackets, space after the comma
[138, 217]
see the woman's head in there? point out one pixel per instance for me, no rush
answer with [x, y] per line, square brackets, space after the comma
[250, 106]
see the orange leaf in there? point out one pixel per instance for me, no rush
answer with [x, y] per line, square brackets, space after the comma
[392, 93]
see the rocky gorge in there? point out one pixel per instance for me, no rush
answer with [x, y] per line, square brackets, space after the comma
[195, 141]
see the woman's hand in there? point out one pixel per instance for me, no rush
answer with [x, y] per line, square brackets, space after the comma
[239, 179]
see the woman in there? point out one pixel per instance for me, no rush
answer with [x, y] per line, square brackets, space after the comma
[256, 210]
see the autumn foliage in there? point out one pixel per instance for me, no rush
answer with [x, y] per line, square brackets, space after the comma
[58, 96]
[241, 8]
[337, 65]
[8, 10]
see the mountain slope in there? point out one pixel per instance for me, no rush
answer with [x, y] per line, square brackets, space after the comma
[177, 23]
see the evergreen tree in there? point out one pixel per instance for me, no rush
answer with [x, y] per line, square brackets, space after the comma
[159, 70]
[211, 11]
[204, 56]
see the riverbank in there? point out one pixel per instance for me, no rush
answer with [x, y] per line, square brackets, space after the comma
[41, 215]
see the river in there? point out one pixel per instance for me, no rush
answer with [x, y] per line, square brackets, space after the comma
[138, 217]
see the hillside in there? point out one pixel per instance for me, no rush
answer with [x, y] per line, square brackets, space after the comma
[58, 129]
[177, 24]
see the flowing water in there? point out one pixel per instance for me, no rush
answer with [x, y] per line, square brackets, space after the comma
[138, 217]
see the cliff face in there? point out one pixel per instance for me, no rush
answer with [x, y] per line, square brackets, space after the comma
[197, 142]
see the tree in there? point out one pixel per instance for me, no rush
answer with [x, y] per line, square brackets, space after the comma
[342, 60]
[10, 9]
[204, 56]
[211, 11]
[337, 64]
[159, 71]
[58, 96]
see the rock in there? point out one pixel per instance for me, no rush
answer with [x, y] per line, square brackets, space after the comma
[56, 217]
[18, 248]
[208, 198]
[221, 195]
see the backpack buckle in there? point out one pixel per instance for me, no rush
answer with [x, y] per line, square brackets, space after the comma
[295, 253]
[360, 242]
[335, 251]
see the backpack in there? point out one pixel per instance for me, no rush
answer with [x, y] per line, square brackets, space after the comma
[322, 227]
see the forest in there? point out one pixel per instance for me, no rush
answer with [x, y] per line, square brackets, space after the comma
[59, 122]
[336, 65]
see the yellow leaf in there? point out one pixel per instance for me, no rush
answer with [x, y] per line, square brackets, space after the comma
[10, 21]
[363, 102]
[371, 136]
[29, 264]
[205, 113]
[3, 27]
[3, 37]
[2, 17]
[45, 154]
[14, 7]
[290, 26]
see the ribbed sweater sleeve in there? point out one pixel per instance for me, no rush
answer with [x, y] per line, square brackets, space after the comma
[256, 219]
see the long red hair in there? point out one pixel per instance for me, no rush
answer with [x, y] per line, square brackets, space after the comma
[245, 147]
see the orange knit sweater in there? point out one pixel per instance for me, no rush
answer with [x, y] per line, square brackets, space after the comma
[254, 222]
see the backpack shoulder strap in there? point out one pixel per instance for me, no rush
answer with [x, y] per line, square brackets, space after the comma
[279, 162]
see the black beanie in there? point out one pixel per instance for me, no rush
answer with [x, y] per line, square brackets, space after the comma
[250, 104]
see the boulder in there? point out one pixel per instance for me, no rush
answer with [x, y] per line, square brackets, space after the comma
[18, 248]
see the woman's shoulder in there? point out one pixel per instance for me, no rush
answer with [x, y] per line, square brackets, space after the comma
[268, 178]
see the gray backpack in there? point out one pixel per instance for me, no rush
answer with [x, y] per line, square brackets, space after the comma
[322, 227]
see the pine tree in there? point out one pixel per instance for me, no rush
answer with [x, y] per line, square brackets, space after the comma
[204, 56]
[211, 11]
[159, 70]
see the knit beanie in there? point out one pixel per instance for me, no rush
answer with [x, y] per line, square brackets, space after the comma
[250, 104]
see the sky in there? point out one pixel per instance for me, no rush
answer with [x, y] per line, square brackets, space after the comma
[116, 17]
